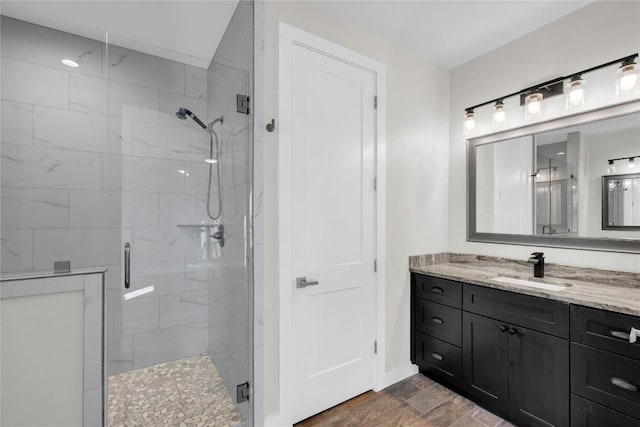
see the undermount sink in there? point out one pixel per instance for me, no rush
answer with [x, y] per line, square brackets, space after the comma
[531, 284]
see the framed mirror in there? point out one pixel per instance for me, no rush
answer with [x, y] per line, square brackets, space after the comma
[548, 183]
[621, 202]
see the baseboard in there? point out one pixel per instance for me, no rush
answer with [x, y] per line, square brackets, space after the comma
[275, 420]
[399, 373]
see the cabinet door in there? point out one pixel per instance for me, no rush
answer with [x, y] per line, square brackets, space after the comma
[484, 361]
[538, 378]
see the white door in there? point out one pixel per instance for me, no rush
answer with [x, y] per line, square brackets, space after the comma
[333, 228]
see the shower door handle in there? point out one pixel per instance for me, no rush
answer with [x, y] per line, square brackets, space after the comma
[127, 265]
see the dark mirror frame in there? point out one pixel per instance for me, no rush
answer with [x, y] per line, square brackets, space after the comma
[605, 203]
[584, 243]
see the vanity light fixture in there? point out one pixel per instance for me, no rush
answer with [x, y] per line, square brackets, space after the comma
[627, 82]
[499, 116]
[575, 92]
[630, 164]
[70, 63]
[469, 121]
[533, 105]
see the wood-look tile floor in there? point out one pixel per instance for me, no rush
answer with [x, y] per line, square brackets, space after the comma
[414, 402]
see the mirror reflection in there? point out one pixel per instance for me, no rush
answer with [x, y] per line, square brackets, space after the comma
[552, 183]
[621, 195]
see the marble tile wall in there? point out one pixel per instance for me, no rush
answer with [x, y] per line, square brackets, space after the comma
[93, 157]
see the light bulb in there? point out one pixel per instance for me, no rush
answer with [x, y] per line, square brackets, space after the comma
[469, 121]
[611, 169]
[533, 103]
[575, 94]
[499, 114]
[627, 77]
[632, 163]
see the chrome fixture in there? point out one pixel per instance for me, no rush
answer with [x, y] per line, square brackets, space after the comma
[628, 82]
[218, 234]
[537, 259]
[182, 114]
[302, 282]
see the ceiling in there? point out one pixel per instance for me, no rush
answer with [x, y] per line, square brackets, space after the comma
[180, 30]
[446, 33]
[450, 33]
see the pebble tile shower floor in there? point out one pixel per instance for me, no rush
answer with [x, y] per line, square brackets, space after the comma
[185, 392]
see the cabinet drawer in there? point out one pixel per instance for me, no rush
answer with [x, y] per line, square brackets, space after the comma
[439, 321]
[540, 314]
[439, 290]
[606, 378]
[604, 329]
[585, 413]
[439, 359]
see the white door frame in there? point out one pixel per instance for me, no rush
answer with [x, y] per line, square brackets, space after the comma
[288, 37]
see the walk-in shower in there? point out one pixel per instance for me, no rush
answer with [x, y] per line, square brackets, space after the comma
[97, 170]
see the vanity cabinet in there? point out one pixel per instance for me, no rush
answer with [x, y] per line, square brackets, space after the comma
[511, 354]
[605, 368]
[436, 328]
[512, 369]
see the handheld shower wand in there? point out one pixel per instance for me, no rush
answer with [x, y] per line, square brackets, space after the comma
[182, 114]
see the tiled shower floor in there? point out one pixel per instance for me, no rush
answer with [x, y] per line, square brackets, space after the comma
[184, 392]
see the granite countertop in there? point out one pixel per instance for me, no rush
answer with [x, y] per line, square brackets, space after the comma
[605, 289]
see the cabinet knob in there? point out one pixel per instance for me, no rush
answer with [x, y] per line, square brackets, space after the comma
[437, 290]
[437, 320]
[437, 356]
[512, 331]
[503, 328]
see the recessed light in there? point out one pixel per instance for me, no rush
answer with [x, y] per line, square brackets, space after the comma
[70, 63]
[211, 161]
[182, 171]
[561, 153]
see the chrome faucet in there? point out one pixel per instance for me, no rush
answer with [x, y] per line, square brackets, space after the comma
[537, 259]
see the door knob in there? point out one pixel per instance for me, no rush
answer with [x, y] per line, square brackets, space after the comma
[302, 282]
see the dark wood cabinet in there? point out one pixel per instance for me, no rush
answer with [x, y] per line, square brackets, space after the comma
[534, 361]
[515, 371]
[484, 361]
[585, 413]
[538, 381]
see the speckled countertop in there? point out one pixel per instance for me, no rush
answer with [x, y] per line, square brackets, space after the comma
[605, 289]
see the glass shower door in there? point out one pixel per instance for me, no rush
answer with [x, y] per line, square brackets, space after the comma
[179, 280]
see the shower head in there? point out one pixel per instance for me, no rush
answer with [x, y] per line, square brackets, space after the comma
[182, 114]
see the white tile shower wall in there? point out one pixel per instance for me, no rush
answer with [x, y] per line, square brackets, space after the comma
[93, 157]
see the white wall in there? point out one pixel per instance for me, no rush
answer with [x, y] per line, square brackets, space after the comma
[417, 137]
[596, 34]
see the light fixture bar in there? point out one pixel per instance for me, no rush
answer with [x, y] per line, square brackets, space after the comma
[545, 85]
[623, 158]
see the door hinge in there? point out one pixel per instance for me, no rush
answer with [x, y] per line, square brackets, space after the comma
[375, 183]
[242, 393]
[375, 265]
[375, 102]
[242, 103]
[375, 347]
